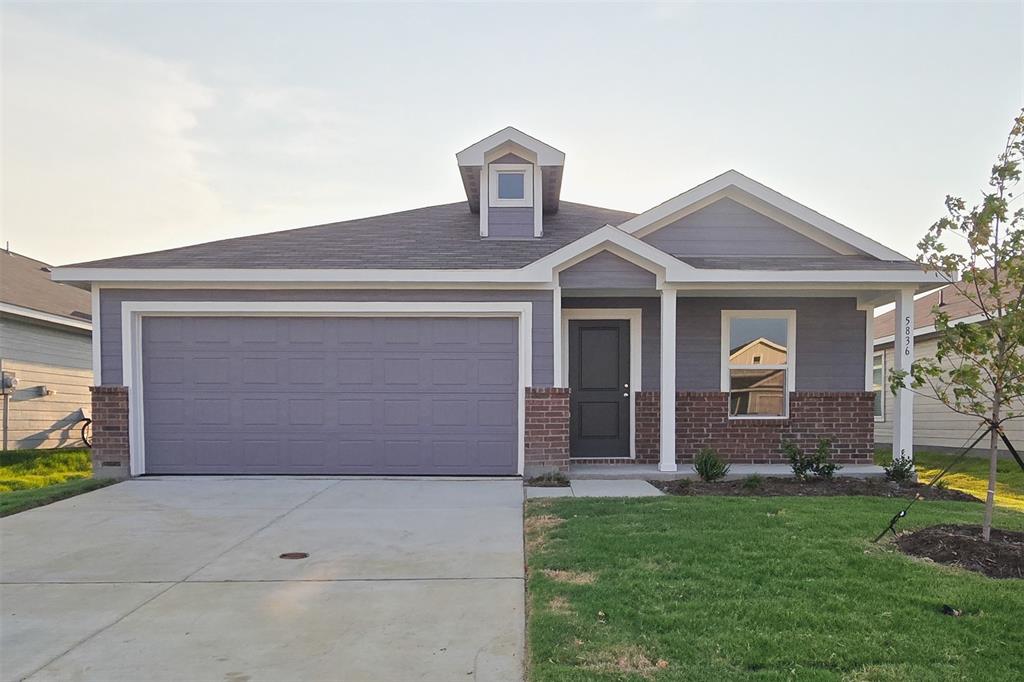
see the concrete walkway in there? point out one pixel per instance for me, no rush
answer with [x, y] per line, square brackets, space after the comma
[597, 488]
[179, 579]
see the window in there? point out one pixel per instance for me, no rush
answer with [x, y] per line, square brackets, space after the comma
[758, 362]
[878, 386]
[510, 184]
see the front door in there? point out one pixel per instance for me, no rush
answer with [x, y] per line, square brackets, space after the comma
[599, 388]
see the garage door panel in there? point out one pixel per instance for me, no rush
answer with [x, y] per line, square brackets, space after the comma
[330, 395]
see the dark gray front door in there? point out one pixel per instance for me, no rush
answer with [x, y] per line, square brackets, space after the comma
[330, 395]
[599, 388]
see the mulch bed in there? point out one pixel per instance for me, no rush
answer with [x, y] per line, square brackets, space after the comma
[1001, 557]
[775, 487]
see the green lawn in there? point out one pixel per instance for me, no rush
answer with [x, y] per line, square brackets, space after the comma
[30, 478]
[970, 476]
[722, 588]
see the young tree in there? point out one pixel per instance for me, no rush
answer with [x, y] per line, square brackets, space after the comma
[978, 368]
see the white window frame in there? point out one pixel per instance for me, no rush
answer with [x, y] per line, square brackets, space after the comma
[790, 316]
[878, 418]
[492, 186]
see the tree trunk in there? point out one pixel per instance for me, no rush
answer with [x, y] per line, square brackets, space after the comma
[993, 460]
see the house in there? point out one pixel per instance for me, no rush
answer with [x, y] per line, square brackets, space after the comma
[936, 427]
[45, 356]
[508, 333]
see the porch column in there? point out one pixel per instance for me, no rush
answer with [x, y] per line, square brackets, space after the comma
[556, 338]
[903, 354]
[668, 380]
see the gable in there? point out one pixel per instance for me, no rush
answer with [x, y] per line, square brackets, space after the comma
[728, 228]
[606, 270]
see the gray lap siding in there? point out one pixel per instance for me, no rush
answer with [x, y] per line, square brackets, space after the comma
[111, 299]
[830, 339]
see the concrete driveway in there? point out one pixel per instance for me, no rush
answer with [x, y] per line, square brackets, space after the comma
[180, 579]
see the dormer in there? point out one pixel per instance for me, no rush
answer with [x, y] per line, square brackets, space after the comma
[511, 180]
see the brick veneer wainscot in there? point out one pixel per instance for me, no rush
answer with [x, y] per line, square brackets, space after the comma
[702, 420]
[110, 431]
[648, 427]
[547, 430]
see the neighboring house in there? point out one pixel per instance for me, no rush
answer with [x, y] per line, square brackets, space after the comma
[508, 332]
[45, 344]
[936, 427]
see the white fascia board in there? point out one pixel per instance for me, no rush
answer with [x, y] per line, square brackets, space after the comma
[20, 311]
[547, 155]
[736, 179]
[768, 277]
[287, 276]
[539, 274]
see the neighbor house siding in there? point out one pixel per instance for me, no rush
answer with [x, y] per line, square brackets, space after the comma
[111, 299]
[829, 341]
[45, 357]
[44, 345]
[728, 228]
[606, 271]
[38, 420]
[935, 425]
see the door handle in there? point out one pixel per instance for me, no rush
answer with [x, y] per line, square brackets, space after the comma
[625, 395]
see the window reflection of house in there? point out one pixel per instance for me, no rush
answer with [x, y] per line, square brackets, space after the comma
[758, 391]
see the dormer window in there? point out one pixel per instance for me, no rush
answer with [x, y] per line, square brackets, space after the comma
[511, 184]
[512, 180]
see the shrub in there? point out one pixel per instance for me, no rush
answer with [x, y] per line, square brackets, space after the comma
[709, 466]
[822, 454]
[817, 464]
[900, 469]
[753, 482]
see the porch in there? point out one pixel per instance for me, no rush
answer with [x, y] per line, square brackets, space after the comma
[749, 371]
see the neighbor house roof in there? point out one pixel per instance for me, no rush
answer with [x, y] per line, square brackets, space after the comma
[947, 299]
[437, 237]
[26, 290]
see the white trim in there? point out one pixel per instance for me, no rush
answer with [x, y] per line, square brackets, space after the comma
[538, 204]
[556, 338]
[869, 346]
[32, 314]
[483, 204]
[669, 307]
[538, 272]
[879, 419]
[524, 169]
[474, 155]
[790, 366]
[931, 329]
[132, 313]
[734, 179]
[635, 318]
[97, 344]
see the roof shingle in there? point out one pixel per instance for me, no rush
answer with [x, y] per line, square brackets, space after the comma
[445, 237]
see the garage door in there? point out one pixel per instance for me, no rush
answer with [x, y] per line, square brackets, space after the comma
[330, 395]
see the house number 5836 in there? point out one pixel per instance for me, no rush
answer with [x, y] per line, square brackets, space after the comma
[906, 335]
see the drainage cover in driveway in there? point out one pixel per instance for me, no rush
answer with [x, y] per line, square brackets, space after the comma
[294, 555]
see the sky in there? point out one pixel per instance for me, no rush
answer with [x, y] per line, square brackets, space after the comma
[137, 127]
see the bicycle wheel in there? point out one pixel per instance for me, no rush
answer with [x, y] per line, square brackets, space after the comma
[87, 432]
